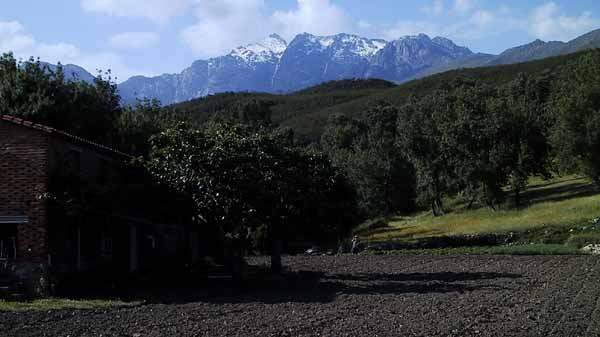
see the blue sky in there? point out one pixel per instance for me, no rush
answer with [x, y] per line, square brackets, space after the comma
[151, 37]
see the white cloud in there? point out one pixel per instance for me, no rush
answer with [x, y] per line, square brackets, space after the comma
[10, 28]
[479, 24]
[464, 6]
[435, 8]
[114, 62]
[160, 11]
[134, 40]
[319, 17]
[362, 24]
[547, 23]
[470, 21]
[482, 18]
[482, 24]
[14, 38]
[226, 24]
[58, 51]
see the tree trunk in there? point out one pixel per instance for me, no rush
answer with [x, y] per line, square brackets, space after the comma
[471, 202]
[434, 208]
[492, 204]
[276, 266]
[237, 264]
[437, 206]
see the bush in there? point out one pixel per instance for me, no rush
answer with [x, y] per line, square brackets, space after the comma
[584, 239]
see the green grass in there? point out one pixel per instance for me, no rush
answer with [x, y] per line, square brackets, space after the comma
[533, 249]
[562, 202]
[60, 303]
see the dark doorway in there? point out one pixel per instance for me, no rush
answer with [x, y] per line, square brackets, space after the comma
[8, 241]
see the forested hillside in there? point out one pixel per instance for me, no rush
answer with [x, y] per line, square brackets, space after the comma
[307, 111]
[476, 134]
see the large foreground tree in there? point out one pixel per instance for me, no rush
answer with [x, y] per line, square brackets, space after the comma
[241, 178]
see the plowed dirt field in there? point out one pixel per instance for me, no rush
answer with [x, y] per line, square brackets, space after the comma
[361, 296]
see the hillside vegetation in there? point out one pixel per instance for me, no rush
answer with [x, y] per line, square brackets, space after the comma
[477, 133]
[307, 111]
[464, 145]
[561, 205]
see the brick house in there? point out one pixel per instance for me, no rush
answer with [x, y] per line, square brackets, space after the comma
[69, 204]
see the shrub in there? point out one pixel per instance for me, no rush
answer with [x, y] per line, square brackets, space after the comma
[584, 239]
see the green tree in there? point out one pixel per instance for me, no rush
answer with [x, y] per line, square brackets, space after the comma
[576, 112]
[30, 90]
[421, 140]
[240, 177]
[366, 150]
[522, 138]
[136, 124]
[471, 142]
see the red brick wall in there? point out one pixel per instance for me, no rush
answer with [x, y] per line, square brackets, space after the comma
[23, 179]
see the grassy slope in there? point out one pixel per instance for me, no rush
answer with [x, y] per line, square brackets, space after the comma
[563, 202]
[58, 304]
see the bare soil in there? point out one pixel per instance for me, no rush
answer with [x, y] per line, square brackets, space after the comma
[359, 296]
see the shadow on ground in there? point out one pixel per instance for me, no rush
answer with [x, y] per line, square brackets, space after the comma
[298, 287]
[560, 193]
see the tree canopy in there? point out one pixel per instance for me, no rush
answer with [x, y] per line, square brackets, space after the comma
[30, 90]
[242, 177]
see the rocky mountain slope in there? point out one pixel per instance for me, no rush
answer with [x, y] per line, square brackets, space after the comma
[535, 50]
[274, 66]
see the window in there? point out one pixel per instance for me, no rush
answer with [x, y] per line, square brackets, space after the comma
[106, 246]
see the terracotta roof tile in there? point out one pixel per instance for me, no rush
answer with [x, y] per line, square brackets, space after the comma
[66, 135]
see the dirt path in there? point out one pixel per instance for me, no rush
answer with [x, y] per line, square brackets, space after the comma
[364, 296]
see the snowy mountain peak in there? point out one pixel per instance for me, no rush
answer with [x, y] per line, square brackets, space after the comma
[313, 41]
[416, 48]
[420, 37]
[268, 49]
[273, 65]
[361, 46]
[341, 44]
[276, 43]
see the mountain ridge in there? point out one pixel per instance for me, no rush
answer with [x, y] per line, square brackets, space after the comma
[274, 65]
[307, 60]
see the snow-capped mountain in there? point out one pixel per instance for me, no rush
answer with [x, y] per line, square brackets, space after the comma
[311, 60]
[246, 68]
[273, 65]
[406, 57]
[267, 50]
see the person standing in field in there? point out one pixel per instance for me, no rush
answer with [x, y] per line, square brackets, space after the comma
[355, 244]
